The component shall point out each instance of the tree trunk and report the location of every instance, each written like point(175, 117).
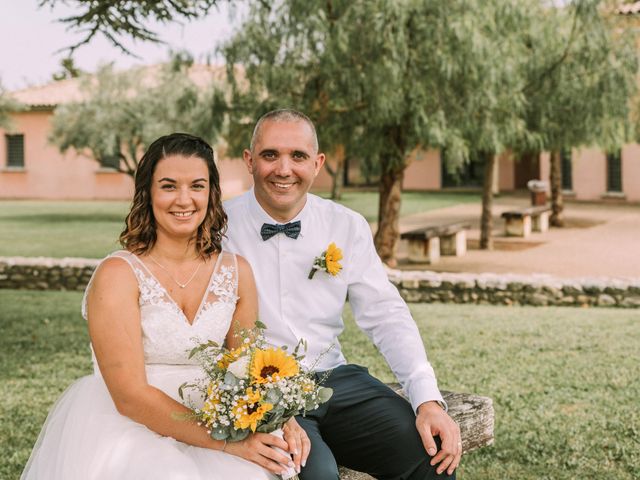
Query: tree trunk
point(386, 238)
point(337, 176)
point(557, 217)
point(486, 221)
point(336, 185)
point(334, 165)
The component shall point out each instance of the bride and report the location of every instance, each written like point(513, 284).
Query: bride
point(147, 305)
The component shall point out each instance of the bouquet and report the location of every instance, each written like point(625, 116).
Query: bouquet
point(253, 388)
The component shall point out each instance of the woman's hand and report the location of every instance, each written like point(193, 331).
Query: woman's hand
point(258, 448)
point(298, 441)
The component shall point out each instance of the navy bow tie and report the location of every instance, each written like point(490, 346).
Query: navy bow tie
point(291, 230)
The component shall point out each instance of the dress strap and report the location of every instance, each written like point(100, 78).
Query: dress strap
point(128, 257)
point(224, 281)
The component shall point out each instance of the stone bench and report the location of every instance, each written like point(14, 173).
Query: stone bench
point(520, 223)
point(426, 244)
point(473, 413)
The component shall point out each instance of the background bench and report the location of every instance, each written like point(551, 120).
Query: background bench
point(426, 244)
point(520, 222)
point(473, 413)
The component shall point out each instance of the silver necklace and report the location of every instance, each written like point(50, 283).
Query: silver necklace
point(181, 285)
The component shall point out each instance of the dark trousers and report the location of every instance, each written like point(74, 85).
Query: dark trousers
point(367, 427)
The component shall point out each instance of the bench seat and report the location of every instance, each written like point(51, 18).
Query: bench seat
point(426, 244)
point(521, 222)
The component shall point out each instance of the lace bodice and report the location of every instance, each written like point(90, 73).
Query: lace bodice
point(167, 335)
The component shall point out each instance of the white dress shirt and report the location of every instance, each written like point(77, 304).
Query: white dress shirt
point(294, 307)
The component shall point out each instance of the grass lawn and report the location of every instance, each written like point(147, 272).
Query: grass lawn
point(366, 203)
point(91, 228)
point(60, 229)
point(564, 381)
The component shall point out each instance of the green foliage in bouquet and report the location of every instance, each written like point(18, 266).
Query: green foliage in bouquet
point(254, 387)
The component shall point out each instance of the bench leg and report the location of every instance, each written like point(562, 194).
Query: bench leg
point(518, 227)
point(424, 251)
point(540, 223)
point(455, 244)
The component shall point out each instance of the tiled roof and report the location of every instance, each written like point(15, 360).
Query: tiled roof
point(49, 95)
point(629, 9)
point(68, 90)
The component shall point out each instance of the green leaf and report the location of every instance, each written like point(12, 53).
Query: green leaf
point(221, 433)
point(324, 394)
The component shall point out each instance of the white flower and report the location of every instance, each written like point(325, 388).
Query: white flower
point(240, 368)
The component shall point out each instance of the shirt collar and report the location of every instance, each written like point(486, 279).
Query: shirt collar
point(259, 216)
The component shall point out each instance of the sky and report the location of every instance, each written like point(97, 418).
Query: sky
point(31, 39)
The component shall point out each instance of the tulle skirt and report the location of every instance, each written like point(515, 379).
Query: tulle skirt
point(85, 438)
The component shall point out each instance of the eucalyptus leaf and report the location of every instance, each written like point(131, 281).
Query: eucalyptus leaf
point(230, 379)
point(273, 396)
point(220, 434)
point(239, 435)
point(324, 394)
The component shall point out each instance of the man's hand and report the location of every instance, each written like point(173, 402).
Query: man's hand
point(298, 441)
point(433, 420)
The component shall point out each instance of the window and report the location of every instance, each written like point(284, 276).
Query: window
point(567, 174)
point(469, 174)
point(15, 151)
point(614, 172)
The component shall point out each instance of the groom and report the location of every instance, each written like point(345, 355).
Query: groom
point(281, 229)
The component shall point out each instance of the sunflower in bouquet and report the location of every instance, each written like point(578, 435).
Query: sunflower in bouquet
point(254, 387)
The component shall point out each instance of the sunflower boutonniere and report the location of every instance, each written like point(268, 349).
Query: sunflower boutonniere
point(329, 261)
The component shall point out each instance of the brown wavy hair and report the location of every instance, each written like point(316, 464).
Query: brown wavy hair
point(139, 235)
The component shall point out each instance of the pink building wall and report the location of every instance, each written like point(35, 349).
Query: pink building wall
point(631, 172)
point(506, 172)
point(323, 181)
point(49, 174)
point(545, 166)
point(589, 169)
point(424, 172)
point(589, 172)
point(234, 176)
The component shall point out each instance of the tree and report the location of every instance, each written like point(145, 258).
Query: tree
point(301, 63)
point(582, 74)
point(124, 112)
point(7, 105)
point(126, 19)
point(382, 79)
point(477, 82)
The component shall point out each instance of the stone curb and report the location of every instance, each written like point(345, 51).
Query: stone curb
point(516, 289)
point(41, 273)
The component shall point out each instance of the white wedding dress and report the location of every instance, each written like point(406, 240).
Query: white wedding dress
point(85, 438)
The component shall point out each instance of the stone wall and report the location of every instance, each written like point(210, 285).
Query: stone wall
point(36, 273)
point(510, 289)
point(39, 273)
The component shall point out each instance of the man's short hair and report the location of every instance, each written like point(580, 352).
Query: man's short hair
point(283, 115)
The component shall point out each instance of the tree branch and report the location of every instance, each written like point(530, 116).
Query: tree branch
point(124, 19)
point(529, 88)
